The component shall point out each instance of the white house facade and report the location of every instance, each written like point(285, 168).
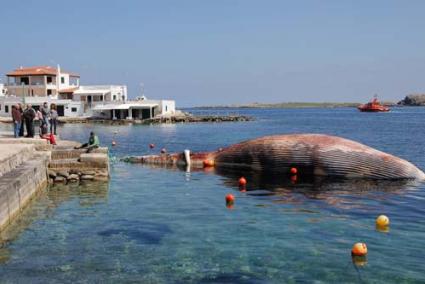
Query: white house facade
point(39, 84)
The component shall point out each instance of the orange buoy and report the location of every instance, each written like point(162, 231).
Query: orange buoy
point(242, 181)
point(294, 171)
point(208, 163)
point(163, 150)
point(359, 261)
point(114, 143)
point(359, 249)
point(382, 221)
point(230, 199)
point(151, 145)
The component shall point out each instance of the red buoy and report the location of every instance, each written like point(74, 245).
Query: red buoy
point(151, 145)
point(230, 199)
point(242, 181)
point(294, 171)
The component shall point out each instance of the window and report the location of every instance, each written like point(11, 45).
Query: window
point(49, 92)
point(166, 108)
point(32, 93)
point(49, 80)
point(114, 97)
point(63, 80)
point(74, 109)
point(6, 109)
point(25, 81)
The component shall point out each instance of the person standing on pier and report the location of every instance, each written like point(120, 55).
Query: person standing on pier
point(53, 118)
point(45, 111)
point(29, 115)
point(21, 111)
point(17, 120)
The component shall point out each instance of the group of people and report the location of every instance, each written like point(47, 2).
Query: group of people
point(24, 118)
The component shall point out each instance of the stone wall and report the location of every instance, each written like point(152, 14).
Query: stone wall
point(18, 186)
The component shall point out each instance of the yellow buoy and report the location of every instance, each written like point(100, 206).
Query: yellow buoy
point(382, 221)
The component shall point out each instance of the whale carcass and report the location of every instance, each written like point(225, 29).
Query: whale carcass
point(311, 154)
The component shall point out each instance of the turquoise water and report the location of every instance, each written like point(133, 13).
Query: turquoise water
point(153, 225)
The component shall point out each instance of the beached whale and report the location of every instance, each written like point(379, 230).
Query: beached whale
point(313, 155)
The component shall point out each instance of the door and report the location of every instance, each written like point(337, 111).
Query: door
point(60, 110)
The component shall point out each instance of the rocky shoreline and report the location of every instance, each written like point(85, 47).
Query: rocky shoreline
point(156, 120)
point(413, 100)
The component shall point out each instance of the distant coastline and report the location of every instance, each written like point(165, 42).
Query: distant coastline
point(289, 105)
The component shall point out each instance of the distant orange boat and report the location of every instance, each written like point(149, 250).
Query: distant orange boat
point(373, 106)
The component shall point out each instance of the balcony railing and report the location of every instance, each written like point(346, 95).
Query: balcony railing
point(32, 84)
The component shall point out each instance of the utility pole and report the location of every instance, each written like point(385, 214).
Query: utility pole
point(23, 92)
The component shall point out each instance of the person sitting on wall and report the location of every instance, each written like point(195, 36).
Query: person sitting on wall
point(92, 144)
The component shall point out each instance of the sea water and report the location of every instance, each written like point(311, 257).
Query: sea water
point(154, 225)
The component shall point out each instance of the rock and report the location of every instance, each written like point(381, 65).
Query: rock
point(89, 173)
point(94, 158)
point(59, 179)
point(87, 177)
point(73, 177)
point(63, 173)
point(51, 174)
point(74, 171)
point(102, 174)
point(413, 100)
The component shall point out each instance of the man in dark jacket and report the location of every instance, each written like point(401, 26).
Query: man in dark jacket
point(21, 130)
point(29, 115)
point(17, 119)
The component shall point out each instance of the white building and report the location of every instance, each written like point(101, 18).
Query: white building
point(135, 109)
point(2, 90)
point(39, 84)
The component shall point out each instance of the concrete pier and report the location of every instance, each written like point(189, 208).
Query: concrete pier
point(23, 173)
point(27, 165)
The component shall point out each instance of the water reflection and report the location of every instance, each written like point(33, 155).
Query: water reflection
point(341, 193)
point(295, 189)
point(88, 194)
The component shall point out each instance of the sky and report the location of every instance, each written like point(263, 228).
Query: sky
point(221, 52)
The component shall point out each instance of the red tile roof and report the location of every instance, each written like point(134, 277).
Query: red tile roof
point(37, 71)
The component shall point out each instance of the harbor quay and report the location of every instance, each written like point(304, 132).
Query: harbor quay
point(28, 165)
point(77, 103)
